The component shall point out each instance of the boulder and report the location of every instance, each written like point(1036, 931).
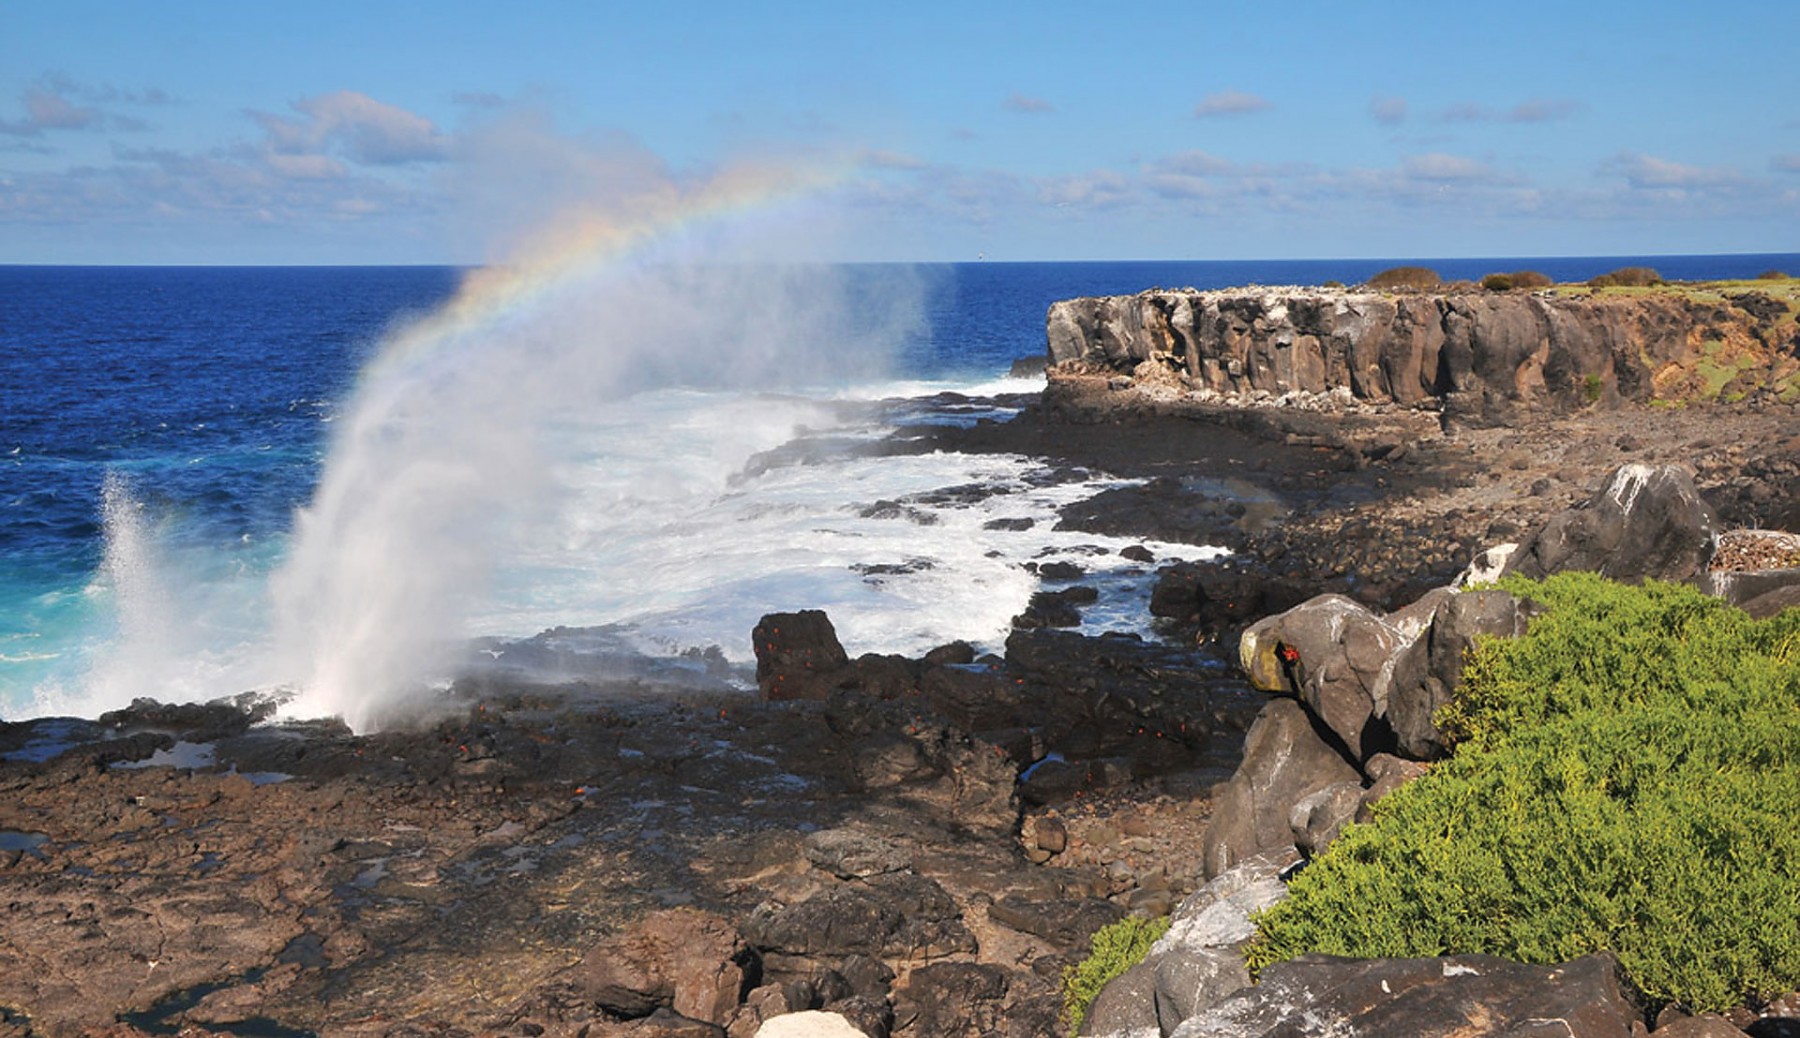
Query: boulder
point(850, 854)
point(1706, 1025)
point(1644, 523)
point(1462, 994)
point(666, 1023)
point(881, 676)
point(1219, 596)
point(1426, 671)
point(904, 916)
point(692, 962)
point(1064, 923)
point(1330, 652)
point(1125, 1007)
point(1284, 760)
point(1317, 818)
point(1198, 962)
point(1386, 773)
point(1770, 603)
point(809, 1023)
point(952, 1000)
point(798, 655)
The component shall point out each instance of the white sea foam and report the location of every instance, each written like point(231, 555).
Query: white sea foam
point(680, 516)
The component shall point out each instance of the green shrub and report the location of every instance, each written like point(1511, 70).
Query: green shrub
point(1416, 278)
point(1626, 777)
point(1591, 388)
point(1772, 275)
point(1627, 277)
point(1113, 950)
point(1333, 283)
point(1516, 279)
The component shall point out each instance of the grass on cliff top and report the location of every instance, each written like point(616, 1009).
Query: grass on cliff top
point(1785, 289)
point(1626, 778)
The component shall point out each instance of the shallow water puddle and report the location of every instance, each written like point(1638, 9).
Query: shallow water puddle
point(189, 755)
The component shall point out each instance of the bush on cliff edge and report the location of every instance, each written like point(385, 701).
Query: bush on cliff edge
point(1421, 279)
point(1626, 778)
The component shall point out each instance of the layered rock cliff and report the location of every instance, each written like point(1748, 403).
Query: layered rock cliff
point(1479, 354)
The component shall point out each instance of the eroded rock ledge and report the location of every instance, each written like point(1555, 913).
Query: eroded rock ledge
point(1481, 356)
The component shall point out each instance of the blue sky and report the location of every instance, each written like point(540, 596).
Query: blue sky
point(430, 132)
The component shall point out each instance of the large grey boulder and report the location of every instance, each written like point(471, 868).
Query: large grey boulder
point(1330, 652)
point(1462, 994)
point(1197, 963)
point(1645, 522)
point(1125, 1007)
point(1284, 760)
point(1426, 672)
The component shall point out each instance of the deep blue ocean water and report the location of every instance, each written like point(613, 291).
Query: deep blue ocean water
point(209, 393)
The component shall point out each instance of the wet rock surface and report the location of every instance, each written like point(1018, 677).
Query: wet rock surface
point(613, 859)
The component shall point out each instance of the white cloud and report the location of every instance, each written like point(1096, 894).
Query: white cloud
point(56, 102)
point(1101, 189)
point(1027, 104)
point(1649, 172)
point(356, 127)
point(1786, 163)
point(1535, 110)
point(46, 109)
point(1230, 102)
point(878, 159)
point(1438, 166)
point(1388, 111)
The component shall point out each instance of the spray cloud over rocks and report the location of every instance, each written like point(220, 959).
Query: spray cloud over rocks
point(448, 459)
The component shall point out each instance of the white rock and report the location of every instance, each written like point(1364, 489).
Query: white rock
point(811, 1023)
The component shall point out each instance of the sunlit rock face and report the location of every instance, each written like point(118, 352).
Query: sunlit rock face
point(1485, 356)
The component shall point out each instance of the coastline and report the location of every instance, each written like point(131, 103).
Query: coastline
point(874, 850)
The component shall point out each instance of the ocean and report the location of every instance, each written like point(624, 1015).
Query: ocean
point(329, 480)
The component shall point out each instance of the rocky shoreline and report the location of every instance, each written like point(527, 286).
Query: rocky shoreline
point(919, 846)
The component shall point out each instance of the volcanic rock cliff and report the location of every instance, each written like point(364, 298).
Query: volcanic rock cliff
point(1480, 355)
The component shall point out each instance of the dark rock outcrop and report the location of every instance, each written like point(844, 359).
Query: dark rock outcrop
point(1330, 652)
point(1198, 962)
point(1428, 669)
point(1643, 523)
point(797, 655)
point(1462, 994)
point(1284, 761)
point(693, 963)
point(1481, 355)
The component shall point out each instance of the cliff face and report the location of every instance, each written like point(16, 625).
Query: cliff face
point(1480, 354)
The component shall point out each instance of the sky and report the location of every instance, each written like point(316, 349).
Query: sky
point(378, 132)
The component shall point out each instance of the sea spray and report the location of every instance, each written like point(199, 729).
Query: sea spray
point(445, 462)
point(130, 581)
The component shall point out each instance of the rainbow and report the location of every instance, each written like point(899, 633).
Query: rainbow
point(578, 245)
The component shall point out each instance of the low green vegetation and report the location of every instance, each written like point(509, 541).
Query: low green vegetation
point(1591, 388)
point(1113, 950)
point(1626, 777)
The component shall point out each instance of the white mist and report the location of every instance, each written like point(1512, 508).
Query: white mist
point(454, 452)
